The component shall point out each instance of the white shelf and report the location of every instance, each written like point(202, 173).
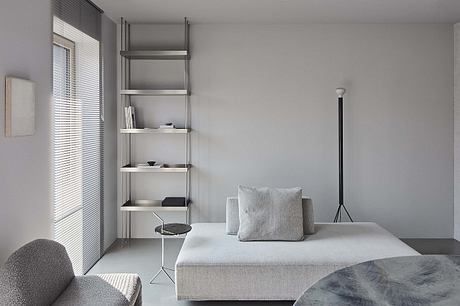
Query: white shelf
point(155, 131)
point(150, 205)
point(155, 54)
point(166, 169)
point(155, 92)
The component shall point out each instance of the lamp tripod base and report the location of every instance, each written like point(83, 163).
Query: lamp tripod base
point(163, 269)
point(338, 214)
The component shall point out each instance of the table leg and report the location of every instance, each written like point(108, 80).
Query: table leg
point(163, 268)
point(130, 226)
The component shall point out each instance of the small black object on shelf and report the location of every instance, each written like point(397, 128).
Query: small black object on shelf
point(174, 201)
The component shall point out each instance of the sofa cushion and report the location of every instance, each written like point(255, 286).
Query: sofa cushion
point(307, 215)
point(215, 266)
point(102, 289)
point(233, 220)
point(270, 213)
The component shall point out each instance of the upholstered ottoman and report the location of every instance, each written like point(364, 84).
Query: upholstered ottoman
point(215, 266)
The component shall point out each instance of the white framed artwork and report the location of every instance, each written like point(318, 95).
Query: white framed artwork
point(19, 107)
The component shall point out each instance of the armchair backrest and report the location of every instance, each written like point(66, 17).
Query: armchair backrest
point(35, 274)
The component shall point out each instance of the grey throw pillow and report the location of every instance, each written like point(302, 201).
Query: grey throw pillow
point(270, 213)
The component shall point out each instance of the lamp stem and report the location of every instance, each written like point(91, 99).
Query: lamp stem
point(340, 106)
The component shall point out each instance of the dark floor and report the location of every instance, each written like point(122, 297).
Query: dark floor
point(434, 246)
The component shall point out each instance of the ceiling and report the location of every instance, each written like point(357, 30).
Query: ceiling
point(284, 11)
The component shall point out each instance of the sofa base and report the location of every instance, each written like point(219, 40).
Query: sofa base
point(215, 266)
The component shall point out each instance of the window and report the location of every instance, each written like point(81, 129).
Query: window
point(77, 148)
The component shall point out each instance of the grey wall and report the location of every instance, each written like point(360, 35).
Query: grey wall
point(457, 131)
point(25, 185)
point(109, 40)
point(264, 112)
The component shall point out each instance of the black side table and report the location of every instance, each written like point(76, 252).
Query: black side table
point(168, 229)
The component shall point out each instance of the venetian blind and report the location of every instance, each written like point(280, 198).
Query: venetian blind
point(77, 131)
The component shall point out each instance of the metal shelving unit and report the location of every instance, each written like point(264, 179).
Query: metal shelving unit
point(127, 166)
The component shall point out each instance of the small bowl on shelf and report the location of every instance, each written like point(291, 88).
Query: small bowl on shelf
point(151, 163)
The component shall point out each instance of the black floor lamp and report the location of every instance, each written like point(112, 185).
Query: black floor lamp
point(338, 215)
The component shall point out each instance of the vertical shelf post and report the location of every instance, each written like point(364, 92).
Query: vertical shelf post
point(187, 110)
point(121, 122)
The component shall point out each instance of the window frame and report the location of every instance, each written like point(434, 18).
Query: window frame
point(65, 43)
point(69, 45)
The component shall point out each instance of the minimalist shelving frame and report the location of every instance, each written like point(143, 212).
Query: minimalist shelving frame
point(127, 167)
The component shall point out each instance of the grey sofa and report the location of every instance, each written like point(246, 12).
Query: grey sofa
point(40, 273)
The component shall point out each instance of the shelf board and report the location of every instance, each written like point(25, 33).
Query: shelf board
point(181, 168)
point(155, 92)
point(156, 54)
point(150, 205)
point(154, 131)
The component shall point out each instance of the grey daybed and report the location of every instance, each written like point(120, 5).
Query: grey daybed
point(213, 265)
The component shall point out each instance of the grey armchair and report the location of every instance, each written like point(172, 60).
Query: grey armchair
point(40, 273)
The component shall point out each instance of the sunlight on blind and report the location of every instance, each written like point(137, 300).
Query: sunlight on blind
point(76, 144)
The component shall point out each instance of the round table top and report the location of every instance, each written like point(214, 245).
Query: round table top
point(173, 229)
point(409, 280)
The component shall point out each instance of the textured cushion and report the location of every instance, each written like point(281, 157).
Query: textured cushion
point(35, 274)
point(270, 213)
point(102, 289)
point(232, 218)
point(215, 266)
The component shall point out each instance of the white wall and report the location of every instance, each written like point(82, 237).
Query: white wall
point(457, 131)
point(264, 112)
point(109, 40)
point(25, 185)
